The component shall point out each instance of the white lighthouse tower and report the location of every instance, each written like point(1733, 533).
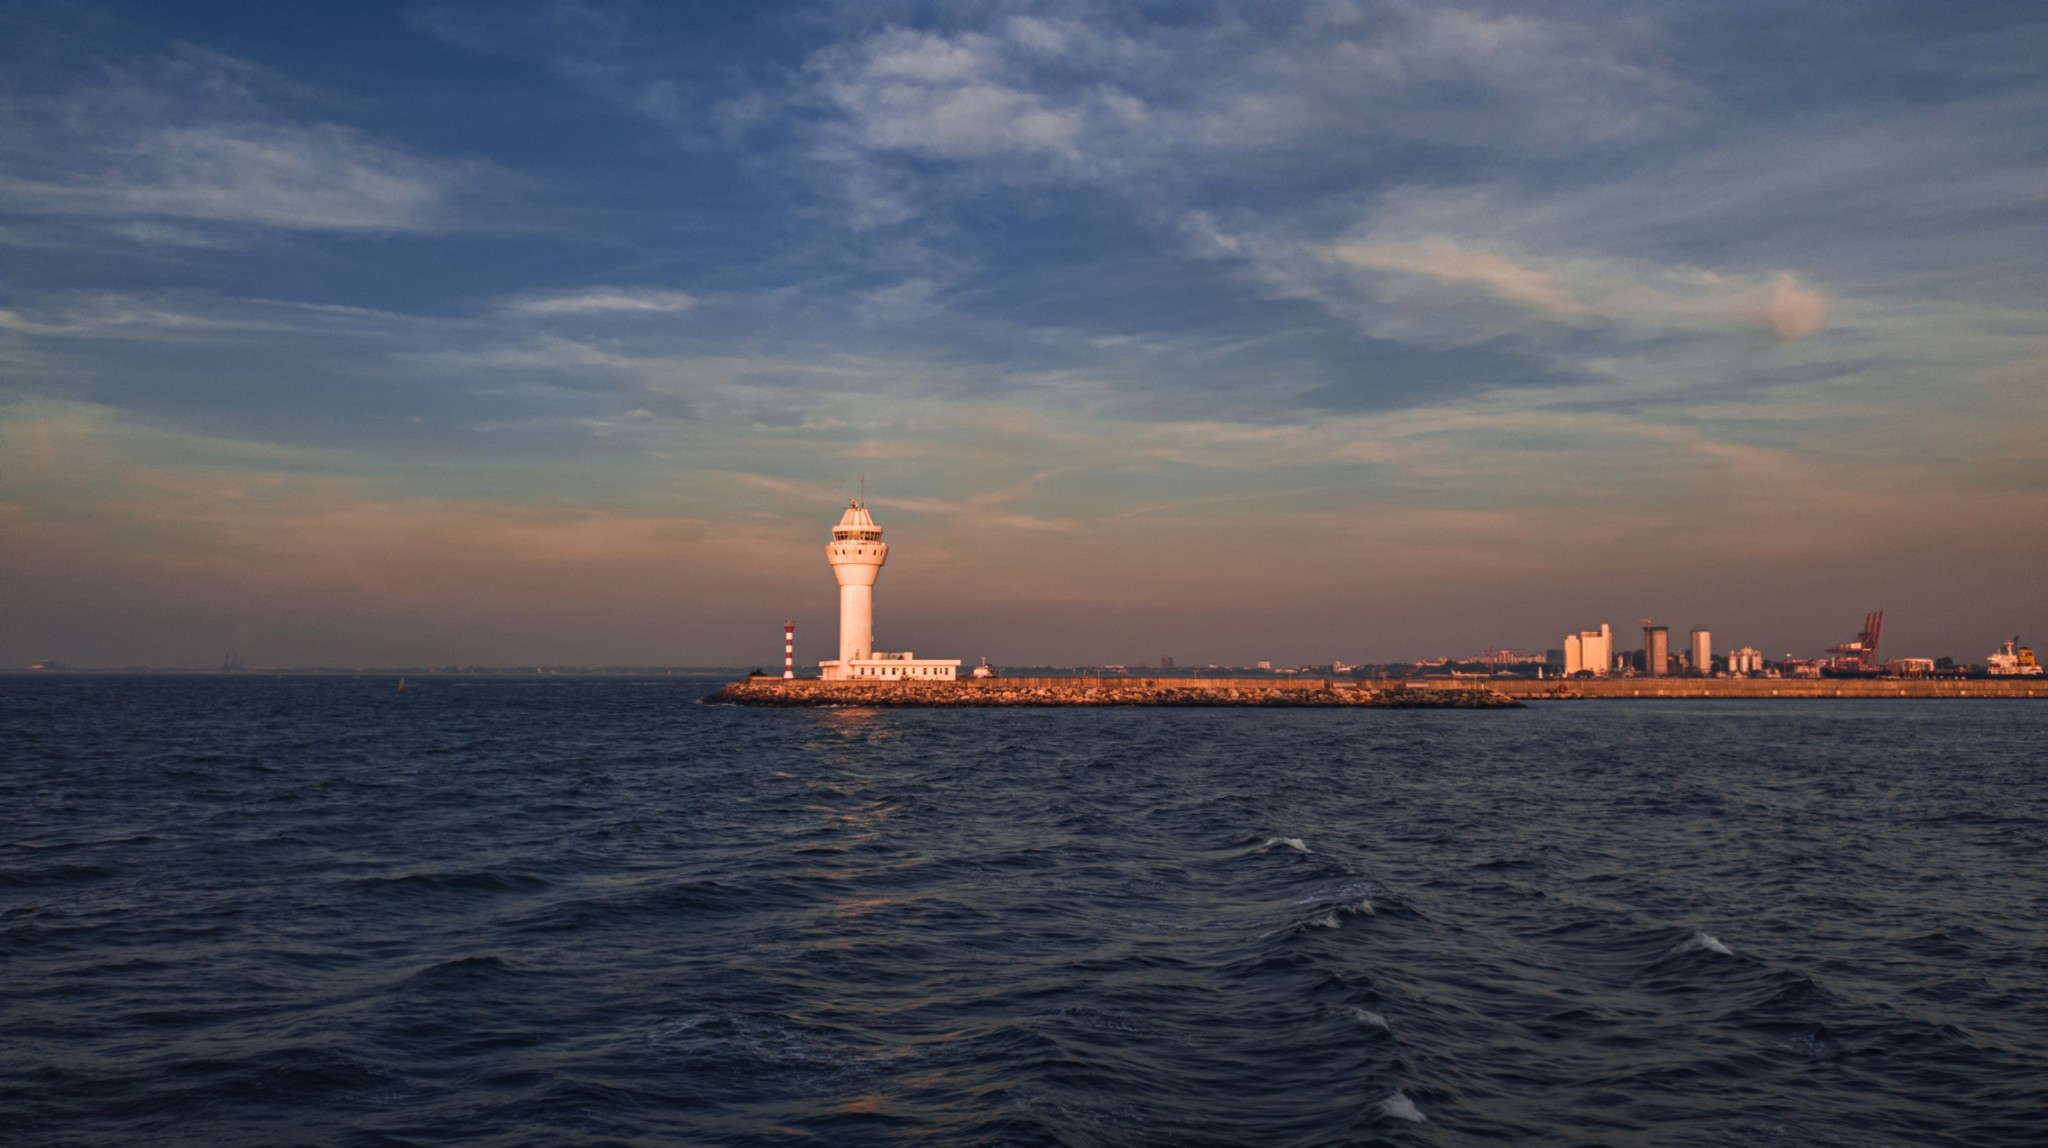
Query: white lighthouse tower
point(857, 553)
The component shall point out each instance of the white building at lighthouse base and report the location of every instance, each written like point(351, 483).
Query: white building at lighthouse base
point(887, 667)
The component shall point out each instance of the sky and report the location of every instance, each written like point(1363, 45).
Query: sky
point(560, 333)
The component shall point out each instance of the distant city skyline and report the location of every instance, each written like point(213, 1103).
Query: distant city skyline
point(549, 333)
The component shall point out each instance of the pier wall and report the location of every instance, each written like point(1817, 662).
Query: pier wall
point(1105, 691)
point(1753, 688)
point(1217, 691)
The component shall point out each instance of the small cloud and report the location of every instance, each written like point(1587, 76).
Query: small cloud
point(1794, 311)
point(165, 235)
point(764, 415)
point(900, 302)
point(1465, 265)
point(1208, 237)
point(916, 93)
point(1037, 35)
point(605, 300)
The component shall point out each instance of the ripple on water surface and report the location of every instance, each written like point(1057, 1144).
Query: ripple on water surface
point(254, 910)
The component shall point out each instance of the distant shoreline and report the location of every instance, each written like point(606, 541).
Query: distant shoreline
point(1707, 689)
point(387, 672)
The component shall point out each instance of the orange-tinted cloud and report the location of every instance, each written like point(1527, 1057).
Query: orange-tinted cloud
point(1794, 310)
point(1453, 264)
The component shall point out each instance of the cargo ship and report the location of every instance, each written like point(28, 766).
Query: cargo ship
point(2012, 660)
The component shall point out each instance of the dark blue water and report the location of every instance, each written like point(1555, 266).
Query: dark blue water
point(545, 911)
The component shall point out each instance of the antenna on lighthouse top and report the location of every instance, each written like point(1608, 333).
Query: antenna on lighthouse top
point(863, 487)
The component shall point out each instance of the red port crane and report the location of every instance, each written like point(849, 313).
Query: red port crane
point(1859, 655)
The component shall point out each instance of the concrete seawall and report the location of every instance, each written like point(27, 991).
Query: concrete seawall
point(1118, 691)
point(1752, 688)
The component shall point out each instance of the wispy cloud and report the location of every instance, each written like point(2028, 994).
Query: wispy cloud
point(319, 177)
point(604, 300)
point(943, 97)
point(1652, 299)
point(1452, 264)
point(200, 137)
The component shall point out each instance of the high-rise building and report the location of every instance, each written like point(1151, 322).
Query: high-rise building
point(1702, 652)
point(856, 553)
point(1656, 650)
point(1589, 650)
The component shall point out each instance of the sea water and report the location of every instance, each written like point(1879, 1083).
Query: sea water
point(254, 910)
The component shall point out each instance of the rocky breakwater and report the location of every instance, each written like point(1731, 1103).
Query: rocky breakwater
point(990, 692)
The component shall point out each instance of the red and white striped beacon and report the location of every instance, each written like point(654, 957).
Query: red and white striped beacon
point(788, 649)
